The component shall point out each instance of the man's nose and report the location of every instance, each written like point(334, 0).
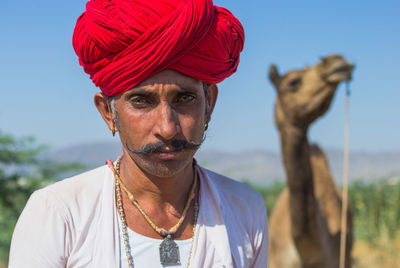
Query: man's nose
point(167, 122)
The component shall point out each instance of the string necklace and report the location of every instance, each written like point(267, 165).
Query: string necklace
point(169, 250)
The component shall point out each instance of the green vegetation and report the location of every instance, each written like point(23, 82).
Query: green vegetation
point(22, 171)
point(376, 209)
point(376, 220)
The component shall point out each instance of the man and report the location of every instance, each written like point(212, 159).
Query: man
point(157, 64)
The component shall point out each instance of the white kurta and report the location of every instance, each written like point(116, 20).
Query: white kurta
point(73, 223)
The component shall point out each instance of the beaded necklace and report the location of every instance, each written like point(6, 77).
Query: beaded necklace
point(169, 251)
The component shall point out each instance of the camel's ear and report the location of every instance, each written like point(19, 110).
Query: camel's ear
point(274, 76)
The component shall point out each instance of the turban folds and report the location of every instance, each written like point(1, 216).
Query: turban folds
point(120, 43)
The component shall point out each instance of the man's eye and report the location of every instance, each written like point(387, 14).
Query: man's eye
point(186, 98)
point(138, 101)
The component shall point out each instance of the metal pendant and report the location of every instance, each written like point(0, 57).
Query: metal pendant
point(169, 252)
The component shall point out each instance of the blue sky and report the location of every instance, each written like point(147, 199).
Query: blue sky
point(46, 94)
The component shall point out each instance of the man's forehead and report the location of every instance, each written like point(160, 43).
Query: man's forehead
point(169, 79)
point(161, 88)
point(170, 76)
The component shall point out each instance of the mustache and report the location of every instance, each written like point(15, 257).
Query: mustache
point(178, 145)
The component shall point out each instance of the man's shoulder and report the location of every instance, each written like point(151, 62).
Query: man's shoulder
point(79, 188)
point(89, 179)
point(234, 191)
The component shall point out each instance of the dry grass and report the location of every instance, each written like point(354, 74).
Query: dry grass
point(381, 254)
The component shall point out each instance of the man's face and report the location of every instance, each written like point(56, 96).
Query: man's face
point(160, 117)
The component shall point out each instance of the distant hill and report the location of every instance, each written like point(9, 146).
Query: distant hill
point(258, 166)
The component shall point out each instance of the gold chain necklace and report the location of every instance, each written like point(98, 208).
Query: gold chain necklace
point(169, 250)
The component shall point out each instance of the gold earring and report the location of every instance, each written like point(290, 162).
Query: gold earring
point(206, 126)
point(113, 130)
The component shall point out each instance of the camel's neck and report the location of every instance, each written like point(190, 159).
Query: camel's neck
point(296, 158)
point(299, 175)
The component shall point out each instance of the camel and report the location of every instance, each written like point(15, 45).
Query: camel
point(305, 222)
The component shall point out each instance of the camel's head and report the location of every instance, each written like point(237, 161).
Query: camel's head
point(304, 95)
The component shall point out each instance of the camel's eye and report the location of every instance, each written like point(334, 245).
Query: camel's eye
point(295, 82)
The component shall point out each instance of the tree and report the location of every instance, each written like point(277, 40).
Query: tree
point(23, 169)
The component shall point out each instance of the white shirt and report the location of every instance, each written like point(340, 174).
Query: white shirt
point(145, 250)
point(73, 223)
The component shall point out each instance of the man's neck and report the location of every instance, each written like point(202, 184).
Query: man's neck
point(164, 193)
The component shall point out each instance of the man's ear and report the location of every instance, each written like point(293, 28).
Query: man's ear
point(212, 95)
point(103, 105)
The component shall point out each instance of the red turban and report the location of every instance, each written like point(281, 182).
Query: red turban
point(123, 42)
